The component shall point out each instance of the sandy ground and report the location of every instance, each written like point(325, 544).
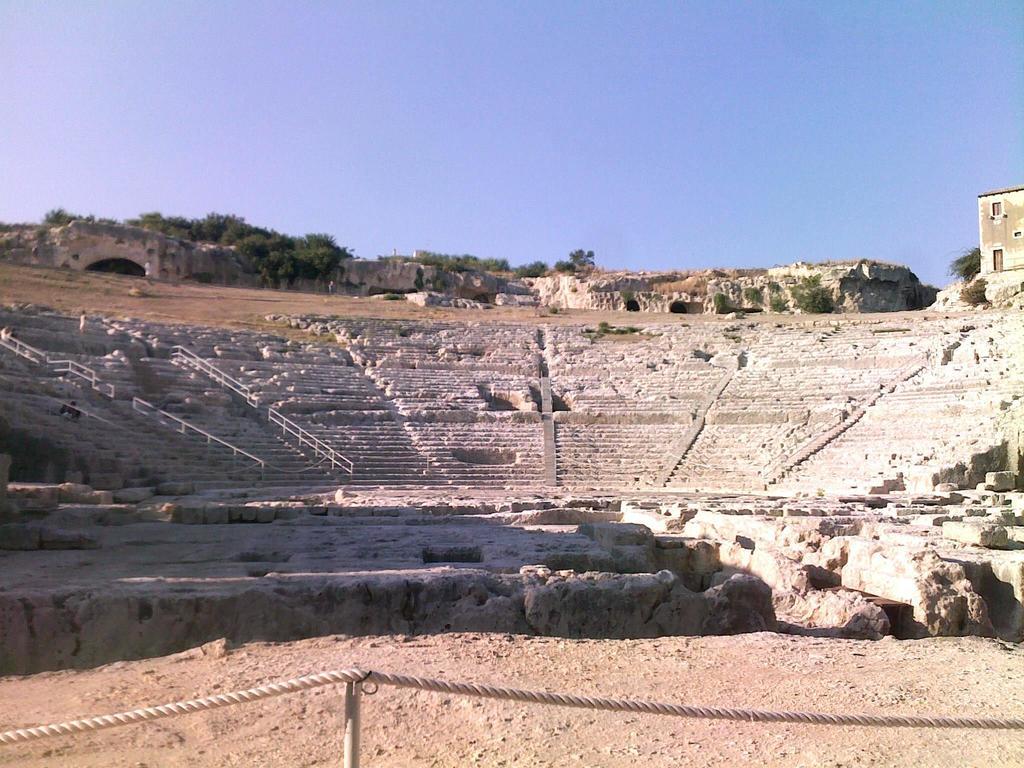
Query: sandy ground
point(95, 293)
point(970, 676)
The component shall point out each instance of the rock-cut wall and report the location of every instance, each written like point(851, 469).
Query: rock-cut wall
point(83, 245)
point(863, 286)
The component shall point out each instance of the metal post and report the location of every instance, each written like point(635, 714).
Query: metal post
point(352, 695)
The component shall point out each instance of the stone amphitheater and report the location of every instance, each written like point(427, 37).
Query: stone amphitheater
point(836, 476)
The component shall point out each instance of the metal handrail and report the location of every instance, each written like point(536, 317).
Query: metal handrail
point(21, 348)
point(274, 416)
point(144, 407)
point(307, 438)
point(39, 357)
point(191, 358)
point(83, 372)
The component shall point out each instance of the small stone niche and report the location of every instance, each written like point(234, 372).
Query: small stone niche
point(453, 554)
point(485, 456)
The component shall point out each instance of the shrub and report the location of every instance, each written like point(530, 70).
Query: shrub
point(605, 328)
point(394, 297)
point(553, 310)
point(811, 296)
point(722, 304)
point(566, 267)
point(753, 295)
point(626, 296)
point(461, 263)
point(58, 217)
point(533, 269)
point(276, 257)
point(778, 303)
point(967, 265)
point(203, 277)
point(974, 292)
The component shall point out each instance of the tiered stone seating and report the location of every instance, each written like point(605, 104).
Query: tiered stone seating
point(466, 396)
point(927, 425)
point(710, 407)
point(117, 449)
point(318, 387)
point(794, 384)
point(630, 399)
point(609, 455)
point(119, 357)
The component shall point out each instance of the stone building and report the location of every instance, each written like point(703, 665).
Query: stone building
point(1001, 228)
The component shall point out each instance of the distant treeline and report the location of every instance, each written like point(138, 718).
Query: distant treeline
point(282, 259)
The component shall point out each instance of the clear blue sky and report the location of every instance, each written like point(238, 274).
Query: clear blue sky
point(660, 135)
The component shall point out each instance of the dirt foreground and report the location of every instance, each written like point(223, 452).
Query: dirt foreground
point(944, 676)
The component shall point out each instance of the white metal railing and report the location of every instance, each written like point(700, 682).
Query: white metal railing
point(190, 358)
point(39, 357)
point(337, 461)
point(21, 348)
point(83, 372)
point(185, 427)
point(318, 446)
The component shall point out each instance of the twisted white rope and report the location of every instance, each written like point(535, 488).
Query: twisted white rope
point(493, 692)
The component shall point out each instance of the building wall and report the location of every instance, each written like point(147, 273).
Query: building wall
point(998, 232)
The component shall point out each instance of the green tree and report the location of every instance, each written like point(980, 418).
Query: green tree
point(967, 265)
point(318, 256)
point(811, 296)
point(581, 259)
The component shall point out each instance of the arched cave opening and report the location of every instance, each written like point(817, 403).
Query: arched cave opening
point(632, 305)
point(677, 307)
point(117, 267)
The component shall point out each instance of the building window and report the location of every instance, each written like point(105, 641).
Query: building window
point(1018, 234)
point(997, 208)
point(997, 260)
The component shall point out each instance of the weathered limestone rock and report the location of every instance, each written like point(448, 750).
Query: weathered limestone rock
point(978, 534)
point(79, 629)
point(81, 244)
point(174, 488)
point(769, 564)
point(645, 605)
point(75, 493)
point(839, 613)
point(132, 495)
point(862, 286)
point(28, 536)
point(56, 538)
point(740, 604)
point(943, 600)
point(1000, 481)
point(34, 497)
point(694, 561)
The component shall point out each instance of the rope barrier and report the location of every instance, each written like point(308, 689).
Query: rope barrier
point(358, 676)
